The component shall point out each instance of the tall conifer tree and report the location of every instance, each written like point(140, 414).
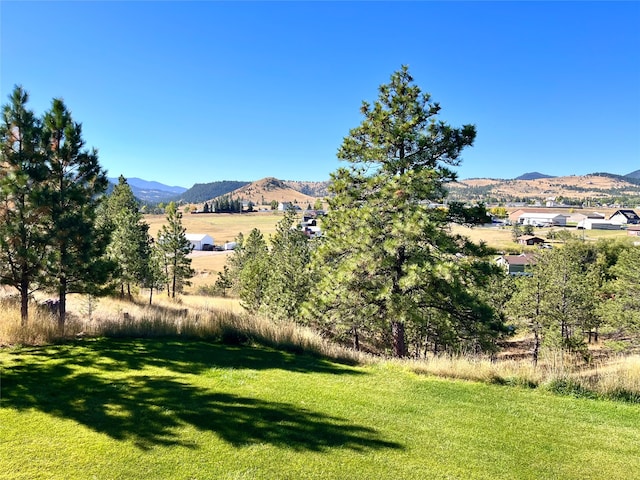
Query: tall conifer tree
point(23, 217)
point(175, 247)
point(75, 185)
point(386, 255)
point(129, 247)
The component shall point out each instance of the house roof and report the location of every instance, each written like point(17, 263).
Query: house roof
point(522, 259)
point(196, 237)
point(548, 215)
point(629, 214)
point(526, 238)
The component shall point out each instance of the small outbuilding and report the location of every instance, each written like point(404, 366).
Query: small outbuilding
point(530, 240)
point(200, 241)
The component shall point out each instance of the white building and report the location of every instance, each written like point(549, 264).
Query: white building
point(543, 219)
point(624, 217)
point(199, 240)
point(597, 224)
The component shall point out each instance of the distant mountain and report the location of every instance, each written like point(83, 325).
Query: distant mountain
point(263, 192)
point(203, 192)
point(533, 176)
point(151, 192)
point(574, 188)
point(622, 178)
point(150, 185)
point(313, 189)
point(635, 174)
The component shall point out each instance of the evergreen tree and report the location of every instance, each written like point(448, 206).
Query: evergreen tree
point(224, 281)
point(622, 307)
point(383, 247)
point(129, 248)
point(175, 247)
point(558, 302)
point(249, 269)
point(75, 184)
point(23, 218)
point(155, 274)
point(289, 274)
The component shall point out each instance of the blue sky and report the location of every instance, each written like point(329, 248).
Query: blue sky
point(200, 91)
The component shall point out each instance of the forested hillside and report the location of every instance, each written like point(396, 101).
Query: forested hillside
point(202, 192)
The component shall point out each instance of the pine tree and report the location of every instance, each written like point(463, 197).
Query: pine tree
point(386, 255)
point(75, 185)
point(622, 305)
point(175, 247)
point(289, 273)
point(249, 270)
point(129, 248)
point(155, 274)
point(23, 238)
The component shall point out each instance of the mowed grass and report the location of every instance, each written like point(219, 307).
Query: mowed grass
point(165, 409)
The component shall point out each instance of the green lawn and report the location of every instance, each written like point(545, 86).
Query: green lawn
point(150, 409)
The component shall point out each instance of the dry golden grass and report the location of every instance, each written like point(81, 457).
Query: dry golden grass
point(501, 238)
point(269, 189)
point(617, 378)
point(593, 186)
point(223, 227)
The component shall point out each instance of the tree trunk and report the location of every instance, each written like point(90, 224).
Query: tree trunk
point(399, 344)
point(150, 295)
point(62, 306)
point(356, 338)
point(536, 348)
point(24, 302)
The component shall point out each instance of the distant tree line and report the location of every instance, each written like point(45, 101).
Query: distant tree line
point(202, 192)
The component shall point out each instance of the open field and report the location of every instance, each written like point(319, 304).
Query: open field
point(223, 227)
point(132, 409)
point(501, 238)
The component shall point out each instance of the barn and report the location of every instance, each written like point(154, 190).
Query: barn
point(199, 240)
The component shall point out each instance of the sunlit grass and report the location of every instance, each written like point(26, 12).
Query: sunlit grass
point(178, 408)
point(223, 319)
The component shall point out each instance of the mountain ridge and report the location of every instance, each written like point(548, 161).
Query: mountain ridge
point(537, 184)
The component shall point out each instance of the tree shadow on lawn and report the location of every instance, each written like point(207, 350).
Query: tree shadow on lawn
point(149, 410)
point(184, 356)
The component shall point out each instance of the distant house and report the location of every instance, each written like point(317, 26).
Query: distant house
point(200, 241)
point(634, 231)
point(530, 240)
point(624, 217)
point(516, 264)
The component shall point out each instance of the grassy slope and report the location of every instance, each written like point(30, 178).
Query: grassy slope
point(174, 409)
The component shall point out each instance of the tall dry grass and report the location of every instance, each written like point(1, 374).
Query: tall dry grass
point(189, 318)
point(222, 320)
point(616, 378)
